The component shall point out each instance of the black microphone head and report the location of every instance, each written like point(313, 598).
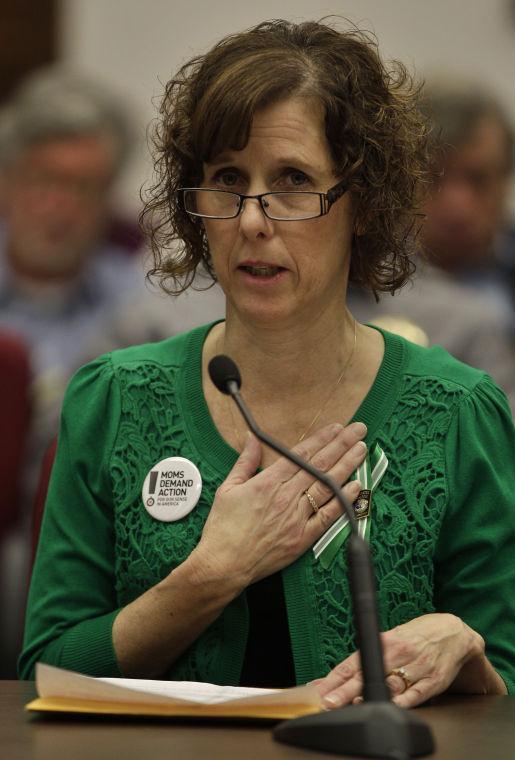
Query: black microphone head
point(222, 371)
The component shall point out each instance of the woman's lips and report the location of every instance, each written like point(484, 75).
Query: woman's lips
point(261, 270)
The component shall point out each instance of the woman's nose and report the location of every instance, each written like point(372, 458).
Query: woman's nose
point(253, 220)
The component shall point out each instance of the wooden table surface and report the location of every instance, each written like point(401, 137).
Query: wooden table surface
point(471, 728)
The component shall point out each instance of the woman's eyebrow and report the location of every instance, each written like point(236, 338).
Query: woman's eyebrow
point(296, 162)
point(223, 158)
point(228, 156)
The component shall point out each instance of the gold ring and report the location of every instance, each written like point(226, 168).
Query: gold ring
point(403, 674)
point(312, 502)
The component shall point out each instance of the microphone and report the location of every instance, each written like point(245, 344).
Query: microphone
point(376, 728)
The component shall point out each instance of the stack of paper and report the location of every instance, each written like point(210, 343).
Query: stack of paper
point(65, 691)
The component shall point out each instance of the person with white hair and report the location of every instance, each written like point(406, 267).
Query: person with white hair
point(63, 140)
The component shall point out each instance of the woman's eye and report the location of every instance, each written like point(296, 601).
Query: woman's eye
point(297, 178)
point(227, 178)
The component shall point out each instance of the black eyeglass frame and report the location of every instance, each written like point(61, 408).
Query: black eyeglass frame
point(326, 201)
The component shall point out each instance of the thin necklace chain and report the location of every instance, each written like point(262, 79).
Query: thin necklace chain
point(324, 405)
point(334, 388)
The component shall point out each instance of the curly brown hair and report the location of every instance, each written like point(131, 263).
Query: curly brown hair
point(377, 138)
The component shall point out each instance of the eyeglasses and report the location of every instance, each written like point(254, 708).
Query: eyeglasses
point(281, 206)
point(41, 182)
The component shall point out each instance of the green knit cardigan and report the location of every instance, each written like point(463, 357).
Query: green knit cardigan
point(442, 525)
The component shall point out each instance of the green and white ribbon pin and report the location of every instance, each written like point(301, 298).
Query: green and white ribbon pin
point(369, 473)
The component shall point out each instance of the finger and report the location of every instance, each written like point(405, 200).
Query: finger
point(422, 685)
point(418, 693)
point(339, 675)
point(327, 513)
point(351, 491)
point(347, 676)
point(321, 520)
point(347, 463)
point(285, 470)
point(328, 456)
point(344, 694)
point(402, 672)
point(396, 685)
point(416, 684)
point(246, 464)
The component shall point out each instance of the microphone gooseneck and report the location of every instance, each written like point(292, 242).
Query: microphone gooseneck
point(377, 728)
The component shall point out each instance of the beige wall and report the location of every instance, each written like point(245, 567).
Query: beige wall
point(136, 44)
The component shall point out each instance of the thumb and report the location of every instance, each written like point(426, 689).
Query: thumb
point(247, 463)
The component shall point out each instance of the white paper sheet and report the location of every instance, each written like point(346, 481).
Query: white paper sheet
point(55, 682)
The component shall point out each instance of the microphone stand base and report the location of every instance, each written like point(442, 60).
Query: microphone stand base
point(371, 729)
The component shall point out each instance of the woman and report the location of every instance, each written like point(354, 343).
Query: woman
point(289, 161)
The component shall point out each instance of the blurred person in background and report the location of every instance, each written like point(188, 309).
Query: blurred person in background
point(148, 314)
point(67, 286)
point(463, 292)
point(63, 141)
point(467, 233)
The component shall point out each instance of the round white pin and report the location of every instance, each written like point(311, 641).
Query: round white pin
point(171, 489)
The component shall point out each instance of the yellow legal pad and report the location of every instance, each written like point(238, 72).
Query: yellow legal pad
point(65, 691)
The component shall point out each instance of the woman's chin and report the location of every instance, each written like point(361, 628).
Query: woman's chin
point(264, 313)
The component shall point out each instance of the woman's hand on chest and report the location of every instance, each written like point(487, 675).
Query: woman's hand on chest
point(260, 523)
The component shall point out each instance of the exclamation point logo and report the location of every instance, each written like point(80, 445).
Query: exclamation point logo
point(152, 486)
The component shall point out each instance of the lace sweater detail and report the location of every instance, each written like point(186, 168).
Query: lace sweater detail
point(152, 428)
point(444, 427)
point(408, 509)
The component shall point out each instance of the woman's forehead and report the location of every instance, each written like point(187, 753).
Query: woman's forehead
point(291, 129)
